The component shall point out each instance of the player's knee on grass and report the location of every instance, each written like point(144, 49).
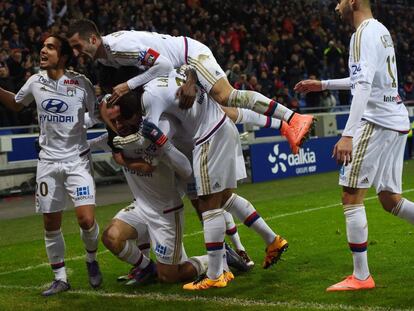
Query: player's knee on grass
point(389, 200)
point(112, 240)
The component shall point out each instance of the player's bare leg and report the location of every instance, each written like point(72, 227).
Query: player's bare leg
point(90, 237)
point(121, 239)
point(226, 95)
point(55, 249)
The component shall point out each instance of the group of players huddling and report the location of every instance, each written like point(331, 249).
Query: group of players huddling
point(170, 123)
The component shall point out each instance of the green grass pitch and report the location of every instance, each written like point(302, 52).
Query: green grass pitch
point(305, 210)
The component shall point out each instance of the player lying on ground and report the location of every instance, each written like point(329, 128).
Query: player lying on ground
point(62, 97)
point(158, 54)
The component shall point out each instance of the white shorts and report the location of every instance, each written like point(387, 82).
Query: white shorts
point(218, 162)
point(202, 59)
point(56, 180)
point(377, 159)
point(165, 230)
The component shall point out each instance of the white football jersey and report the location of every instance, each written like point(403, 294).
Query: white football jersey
point(200, 122)
point(141, 48)
point(372, 60)
point(159, 189)
point(61, 106)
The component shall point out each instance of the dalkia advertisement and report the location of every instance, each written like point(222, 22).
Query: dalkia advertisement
point(275, 160)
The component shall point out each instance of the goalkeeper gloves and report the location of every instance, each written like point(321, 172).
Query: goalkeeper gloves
point(153, 133)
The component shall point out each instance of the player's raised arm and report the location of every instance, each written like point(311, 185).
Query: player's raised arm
point(7, 98)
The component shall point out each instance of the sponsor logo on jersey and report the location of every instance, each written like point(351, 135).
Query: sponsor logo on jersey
point(137, 173)
point(54, 105)
point(70, 82)
point(43, 80)
point(392, 99)
point(161, 250)
point(304, 161)
point(365, 181)
point(83, 193)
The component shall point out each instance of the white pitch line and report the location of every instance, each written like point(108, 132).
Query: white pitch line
point(200, 232)
point(238, 302)
point(46, 264)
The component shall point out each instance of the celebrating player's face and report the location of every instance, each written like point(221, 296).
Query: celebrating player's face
point(125, 126)
point(82, 47)
point(50, 53)
point(344, 10)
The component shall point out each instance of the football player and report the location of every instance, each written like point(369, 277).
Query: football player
point(372, 145)
point(62, 97)
point(158, 54)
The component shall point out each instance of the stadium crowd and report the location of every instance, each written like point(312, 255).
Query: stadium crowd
point(267, 46)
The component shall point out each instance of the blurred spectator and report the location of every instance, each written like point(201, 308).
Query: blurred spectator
point(15, 65)
point(332, 55)
point(313, 99)
point(242, 83)
point(409, 88)
point(233, 75)
point(328, 101)
point(7, 117)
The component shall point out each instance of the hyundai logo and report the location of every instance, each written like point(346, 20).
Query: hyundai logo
point(54, 105)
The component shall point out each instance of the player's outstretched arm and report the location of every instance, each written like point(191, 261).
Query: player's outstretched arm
point(306, 86)
point(8, 100)
point(178, 160)
point(158, 67)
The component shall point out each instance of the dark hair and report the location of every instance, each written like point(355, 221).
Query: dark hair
point(85, 28)
point(65, 49)
point(129, 105)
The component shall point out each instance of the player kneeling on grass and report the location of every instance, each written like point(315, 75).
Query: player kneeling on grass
point(63, 167)
point(157, 212)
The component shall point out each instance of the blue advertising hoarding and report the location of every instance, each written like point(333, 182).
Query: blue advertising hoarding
point(274, 160)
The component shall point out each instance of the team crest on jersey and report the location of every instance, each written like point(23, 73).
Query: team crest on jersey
point(71, 91)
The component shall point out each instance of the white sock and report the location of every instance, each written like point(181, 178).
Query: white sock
point(404, 210)
point(55, 249)
point(251, 117)
point(132, 255)
point(200, 263)
point(357, 234)
point(214, 227)
point(259, 103)
point(231, 231)
point(90, 238)
point(246, 213)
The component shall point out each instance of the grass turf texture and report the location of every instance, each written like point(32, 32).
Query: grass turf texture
point(304, 210)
